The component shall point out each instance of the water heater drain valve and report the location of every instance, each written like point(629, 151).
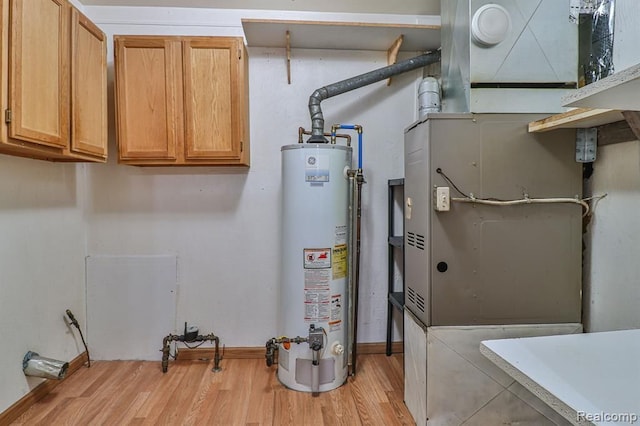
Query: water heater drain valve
point(337, 349)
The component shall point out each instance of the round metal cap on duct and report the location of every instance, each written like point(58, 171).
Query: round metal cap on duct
point(491, 24)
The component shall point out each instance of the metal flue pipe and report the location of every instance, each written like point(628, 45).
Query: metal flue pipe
point(317, 119)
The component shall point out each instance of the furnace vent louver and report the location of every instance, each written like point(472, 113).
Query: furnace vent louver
point(411, 295)
point(420, 303)
point(415, 240)
point(416, 299)
point(411, 239)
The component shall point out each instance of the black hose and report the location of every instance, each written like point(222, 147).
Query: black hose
point(74, 321)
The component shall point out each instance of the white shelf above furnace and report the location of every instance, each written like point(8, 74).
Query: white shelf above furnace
point(605, 101)
point(340, 35)
point(618, 91)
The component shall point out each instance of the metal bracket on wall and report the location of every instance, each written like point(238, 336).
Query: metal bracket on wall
point(586, 145)
point(392, 54)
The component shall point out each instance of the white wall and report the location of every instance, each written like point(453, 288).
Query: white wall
point(612, 277)
point(42, 249)
point(223, 224)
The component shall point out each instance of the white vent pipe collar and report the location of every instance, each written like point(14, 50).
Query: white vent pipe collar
point(491, 24)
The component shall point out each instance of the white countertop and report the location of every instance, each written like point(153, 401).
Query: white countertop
point(591, 378)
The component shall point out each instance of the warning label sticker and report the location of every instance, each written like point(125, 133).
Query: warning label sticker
point(316, 296)
point(317, 258)
point(317, 278)
point(336, 307)
point(341, 234)
point(319, 264)
point(340, 261)
point(317, 312)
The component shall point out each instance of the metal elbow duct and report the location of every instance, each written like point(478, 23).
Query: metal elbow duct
point(317, 119)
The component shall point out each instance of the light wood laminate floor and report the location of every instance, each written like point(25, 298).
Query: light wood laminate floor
point(245, 392)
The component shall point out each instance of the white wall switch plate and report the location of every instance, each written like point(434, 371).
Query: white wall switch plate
point(442, 200)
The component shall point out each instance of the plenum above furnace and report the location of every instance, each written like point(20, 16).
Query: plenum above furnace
point(507, 56)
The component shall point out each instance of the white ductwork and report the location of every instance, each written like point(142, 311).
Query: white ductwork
point(523, 51)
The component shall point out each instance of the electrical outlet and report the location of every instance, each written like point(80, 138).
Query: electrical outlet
point(442, 199)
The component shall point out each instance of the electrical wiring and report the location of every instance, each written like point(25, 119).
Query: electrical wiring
point(596, 199)
point(583, 202)
point(526, 200)
point(445, 177)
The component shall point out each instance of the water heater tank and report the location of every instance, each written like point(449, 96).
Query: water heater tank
point(314, 262)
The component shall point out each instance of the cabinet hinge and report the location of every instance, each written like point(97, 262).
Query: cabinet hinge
point(7, 116)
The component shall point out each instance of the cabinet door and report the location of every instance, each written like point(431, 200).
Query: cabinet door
point(88, 87)
point(213, 95)
point(148, 112)
point(39, 71)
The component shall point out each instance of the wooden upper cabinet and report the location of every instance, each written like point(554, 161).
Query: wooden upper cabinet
point(147, 98)
point(182, 100)
point(39, 74)
point(53, 86)
point(88, 87)
point(211, 93)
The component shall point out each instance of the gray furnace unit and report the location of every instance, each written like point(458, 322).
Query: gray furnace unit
point(484, 264)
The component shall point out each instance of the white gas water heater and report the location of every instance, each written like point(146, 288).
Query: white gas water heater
point(319, 242)
point(313, 294)
point(317, 316)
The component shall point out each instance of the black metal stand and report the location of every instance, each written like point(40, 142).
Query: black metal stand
point(395, 299)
